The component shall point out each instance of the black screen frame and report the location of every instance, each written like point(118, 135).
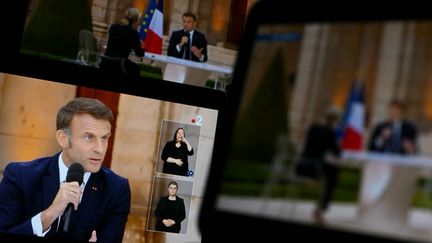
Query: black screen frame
point(216, 223)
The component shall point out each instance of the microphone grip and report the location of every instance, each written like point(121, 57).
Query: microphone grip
point(67, 216)
point(186, 34)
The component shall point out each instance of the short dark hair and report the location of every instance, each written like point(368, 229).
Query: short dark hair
point(190, 14)
point(173, 183)
point(94, 107)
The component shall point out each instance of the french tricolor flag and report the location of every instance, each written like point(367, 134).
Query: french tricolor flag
point(353, 121)
point(153, 38)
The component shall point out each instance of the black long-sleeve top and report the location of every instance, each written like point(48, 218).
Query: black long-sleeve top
point(182, 152)
point(121, 40)
point(170, 209)
point(320, 140)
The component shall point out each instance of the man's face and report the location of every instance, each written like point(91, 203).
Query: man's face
point(88, 142)
point(188, 23)
point(395, 113)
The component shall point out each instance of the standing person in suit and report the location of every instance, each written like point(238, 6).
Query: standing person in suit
point(188, 43)
point(123, 37)
point(175, 154)
point(394, 135)
point(34, 195)
point(170, 210)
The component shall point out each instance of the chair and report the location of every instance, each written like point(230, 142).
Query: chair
point(278, 170)
point(284, 171)
point(298, 181)
point(88, 53)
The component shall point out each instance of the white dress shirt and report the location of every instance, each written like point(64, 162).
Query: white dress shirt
point(36, 221)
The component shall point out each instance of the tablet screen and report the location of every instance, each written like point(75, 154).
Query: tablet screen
point(141, 143)
point(333, 128)
point(113, 35)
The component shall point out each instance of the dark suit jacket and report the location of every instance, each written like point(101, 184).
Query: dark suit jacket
point(408, 131)
point(29, 188)
point(198, 39)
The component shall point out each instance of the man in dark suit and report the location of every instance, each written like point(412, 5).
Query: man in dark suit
point(188, 43)
point(395, 135)
point(34, 194)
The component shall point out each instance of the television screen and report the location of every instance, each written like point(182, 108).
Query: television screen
point(141, 38)
point(139, 148)
point(333, 126)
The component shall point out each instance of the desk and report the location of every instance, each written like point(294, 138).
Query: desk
point(188, 72)
point(387, 186)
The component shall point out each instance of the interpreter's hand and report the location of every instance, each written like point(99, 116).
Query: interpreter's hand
point(408, 146)
point(197, 52)
point(386, 133)
point(93, 237)
point(183, 40)
point(183, 139)
point(179, 162)
point(168, 222)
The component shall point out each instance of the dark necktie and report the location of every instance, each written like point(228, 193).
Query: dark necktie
point(187, 47)
point(72, 225)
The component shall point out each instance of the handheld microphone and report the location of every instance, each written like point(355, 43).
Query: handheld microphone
point(186, 33)
point(75, 173)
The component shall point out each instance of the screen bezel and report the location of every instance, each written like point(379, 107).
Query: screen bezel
point(252, 227)
point(85, 76)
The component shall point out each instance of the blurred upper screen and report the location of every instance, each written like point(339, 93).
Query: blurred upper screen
point(113, 35)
